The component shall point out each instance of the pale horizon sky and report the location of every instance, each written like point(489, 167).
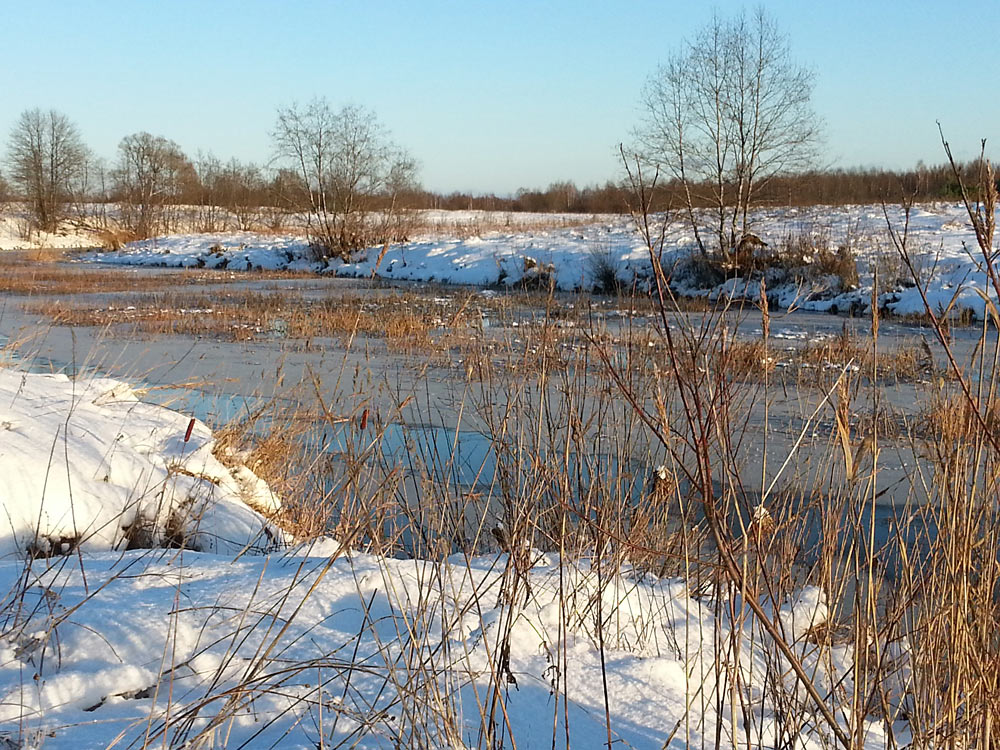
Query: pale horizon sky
point(488, 97)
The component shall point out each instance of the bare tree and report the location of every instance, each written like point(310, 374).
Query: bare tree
point(209, 213)
point(46, 157)
point(724, 116)
point(353, 172)
point(243, 192)
point(284, 194)
point(151, 174)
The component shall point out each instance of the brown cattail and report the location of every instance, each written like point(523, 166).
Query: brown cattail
point(663, 484)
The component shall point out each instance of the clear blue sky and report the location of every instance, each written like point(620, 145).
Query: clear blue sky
point(488, 96)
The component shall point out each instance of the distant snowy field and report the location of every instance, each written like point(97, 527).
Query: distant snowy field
point(572, 255)
point(255, 640)
point(15, 235)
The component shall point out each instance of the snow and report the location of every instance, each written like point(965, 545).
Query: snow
point(571, 256)
point(479, 261)
point(288, 649)
point(85, 462)
point(248, 638)
point(15, 235)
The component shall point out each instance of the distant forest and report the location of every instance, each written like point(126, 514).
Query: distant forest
point(827, 187)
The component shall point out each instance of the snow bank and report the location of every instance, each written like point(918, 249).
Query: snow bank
point(15, 235)
point(239, 251)
point(480, 261)
point(573, 257)
point(85, 463)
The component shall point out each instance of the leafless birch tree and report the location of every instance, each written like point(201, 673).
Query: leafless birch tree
point(723, 116)
point(148, 180)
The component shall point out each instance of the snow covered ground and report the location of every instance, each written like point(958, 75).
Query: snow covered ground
point(234, 642)
point(16, 235)
point(939, 236)
point(84, 463)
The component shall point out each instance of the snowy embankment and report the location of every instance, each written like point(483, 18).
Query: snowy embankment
point(231, 642)
point(579, 257)
point(480, 261)
point(84, 463)
point(16, 233)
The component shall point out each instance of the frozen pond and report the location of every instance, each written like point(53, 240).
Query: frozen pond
point(422, 408)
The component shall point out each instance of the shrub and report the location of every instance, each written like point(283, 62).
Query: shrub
point(602, 266)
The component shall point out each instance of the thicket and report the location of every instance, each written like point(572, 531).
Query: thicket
point(817, 187)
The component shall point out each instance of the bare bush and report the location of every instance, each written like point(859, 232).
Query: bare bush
point(148, 178)
point(242, 191)
point(808, 255)
point(353, 174)
point(209, 214)
point(603, 268)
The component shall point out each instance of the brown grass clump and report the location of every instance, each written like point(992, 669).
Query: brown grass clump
point(115, 238)
point(748, 359)
point(815, 364)
point(834, 352)
point(811, 254)
point(902, 362)
point(279, 444)
point(404, 323)
point(949, 418)
point(956, 317)
point(38, 272)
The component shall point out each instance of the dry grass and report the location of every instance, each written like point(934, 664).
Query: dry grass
point(577, 419)
point(40, 272)
point(115, 238)
point(405, 323)
point(949, 419)
point(903, 362)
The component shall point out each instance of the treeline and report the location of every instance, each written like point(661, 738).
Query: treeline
point(559, 197)
point(341, 171)
point(818, 187)
point(336, 169)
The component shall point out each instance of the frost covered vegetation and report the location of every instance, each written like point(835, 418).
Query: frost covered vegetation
point(584, 558)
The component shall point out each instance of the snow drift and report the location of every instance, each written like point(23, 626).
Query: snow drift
point(84, 463)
